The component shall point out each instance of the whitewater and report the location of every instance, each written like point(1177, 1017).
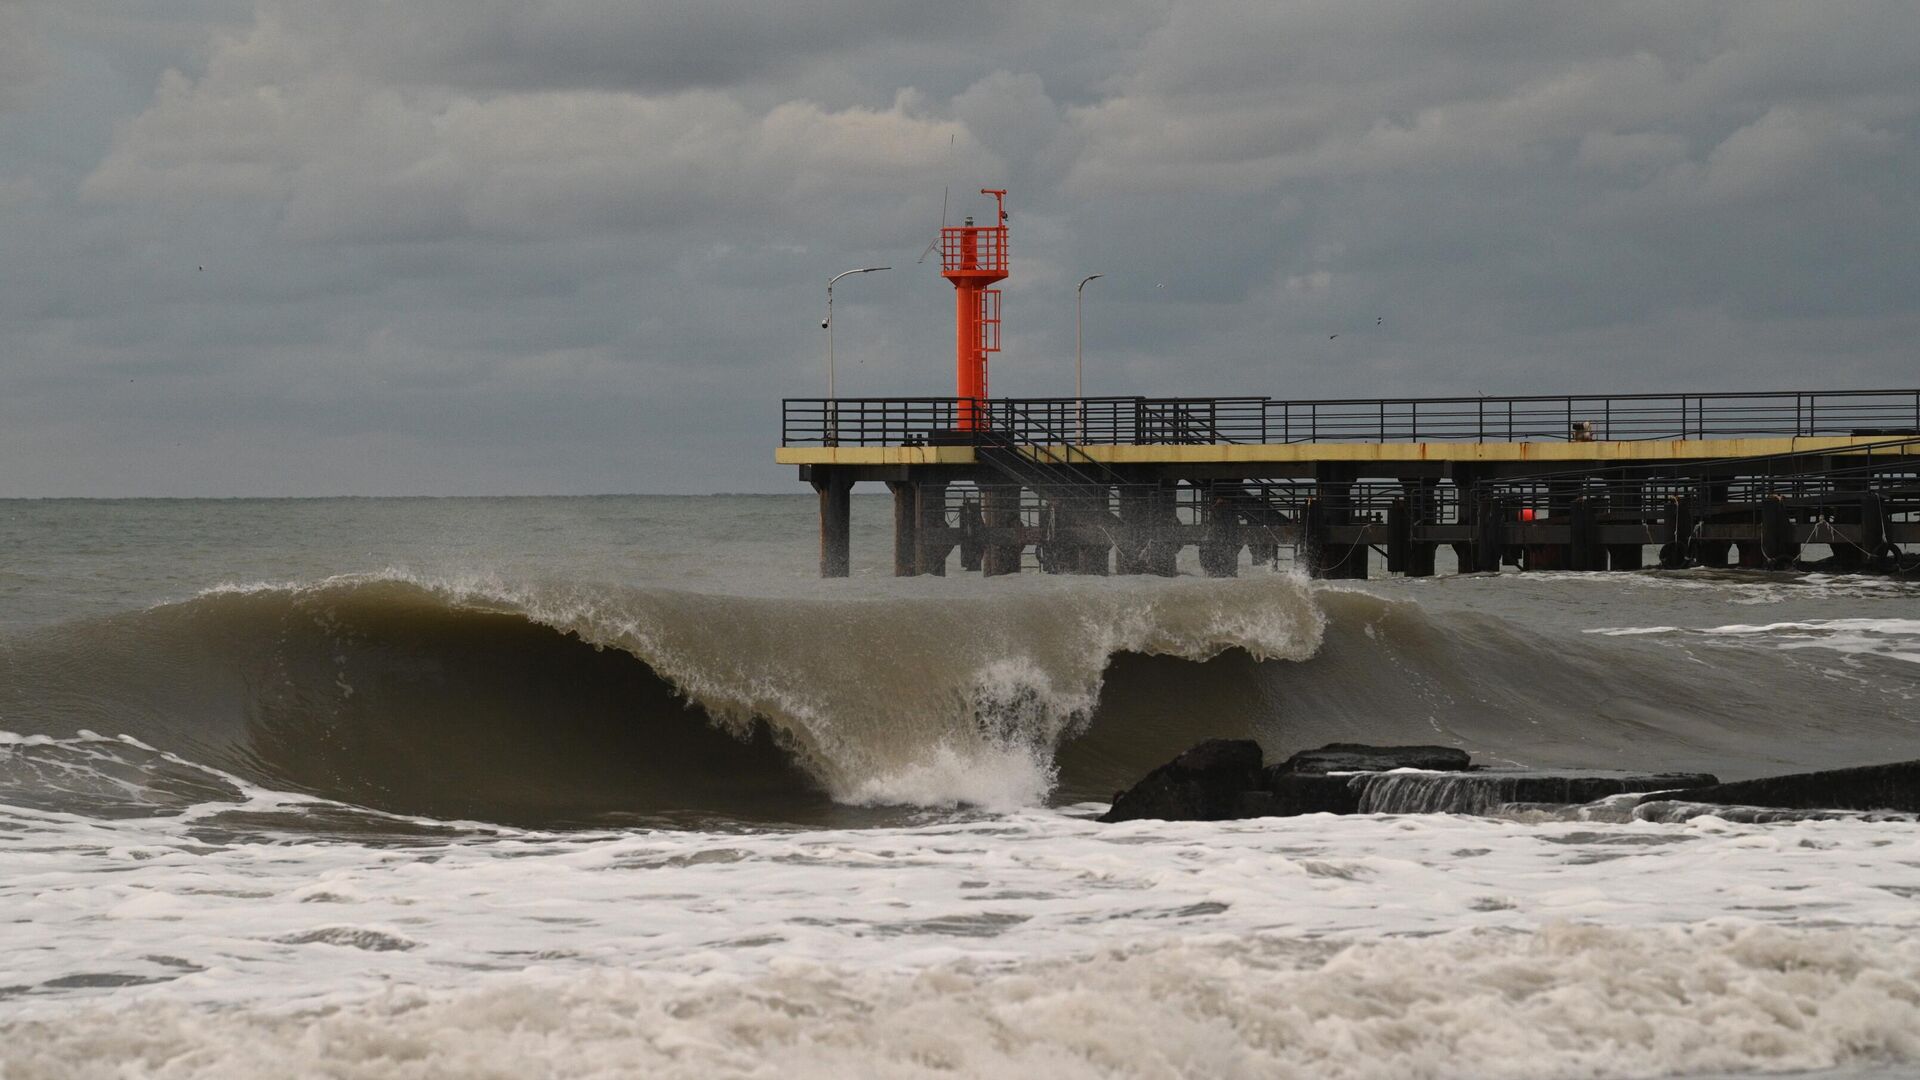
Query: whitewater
point(612, 787)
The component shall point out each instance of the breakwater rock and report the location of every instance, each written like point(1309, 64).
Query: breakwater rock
point(1344, 757)
point(1867, 787)
point(1224, 779)
point(1203, 784)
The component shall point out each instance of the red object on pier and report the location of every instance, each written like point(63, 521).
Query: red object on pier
point(1526, 513)
point(973, 257)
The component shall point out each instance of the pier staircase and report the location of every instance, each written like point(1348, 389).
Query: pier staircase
point(1076, 490)
point(1035, 456)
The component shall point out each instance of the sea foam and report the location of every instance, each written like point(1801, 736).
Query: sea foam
point(1564, 1001)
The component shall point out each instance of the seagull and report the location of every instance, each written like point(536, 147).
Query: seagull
point(1330, 337)
point(203, 268)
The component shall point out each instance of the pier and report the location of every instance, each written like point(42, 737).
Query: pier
point(1123, 485)
point(1108, 485)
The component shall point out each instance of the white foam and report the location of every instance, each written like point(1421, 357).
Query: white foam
point(1896, 639)
point(1007, 779)
point(1031, 884)
point(1034, 941)
point(1565, 1001)
point(1738, 587)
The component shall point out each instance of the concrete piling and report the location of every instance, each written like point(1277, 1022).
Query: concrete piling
point(1001, 512)
point(906, 529)
point(836, 522)
point(930, 500)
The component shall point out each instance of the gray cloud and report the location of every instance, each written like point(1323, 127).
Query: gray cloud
point(579, 246)
point(24, 55)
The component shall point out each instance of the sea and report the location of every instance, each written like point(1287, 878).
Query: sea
point(611, 787)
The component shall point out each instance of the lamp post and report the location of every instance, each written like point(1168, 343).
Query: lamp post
point(833, 401)
point(1079, 400)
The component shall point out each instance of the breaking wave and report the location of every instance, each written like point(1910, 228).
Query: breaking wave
point(567, 703)
point(557, 703)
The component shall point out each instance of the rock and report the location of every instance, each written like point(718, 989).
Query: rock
point(1310, 793)
point(1579, 790)
point(1867, 787)
point(1222, 780)
point(1203, 784)
point(1252, 804)
point(1359, 757)
point(1482, 792)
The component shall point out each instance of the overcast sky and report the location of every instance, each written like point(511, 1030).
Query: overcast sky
point(560, 246)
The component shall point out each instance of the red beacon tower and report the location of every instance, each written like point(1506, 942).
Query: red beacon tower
point(973, 257)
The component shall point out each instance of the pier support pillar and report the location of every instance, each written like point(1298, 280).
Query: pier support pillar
point(1584, 550)
point(1052, 552)
point(1849, 556)
point(1001, 510)
point(1777, 544)
point(1333, 494)
point(1873, 530)
point(1080, 518)
point(1261, 524)
point(1312, 546)
point(1461, 476)
point(836, 522)
point(1220, 551)
point(1130, 552)
point(1676, 553)
point(1489, 533)
point(1095, 556)
point(1714, 553)
point(1399, 535)
point(1625, 556)
point(1713, 504)
point(906, 529)
point(1163, 555)
point(930, 501)
point(972, 528)
point(1422, 498)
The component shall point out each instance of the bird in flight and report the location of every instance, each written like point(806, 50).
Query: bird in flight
point(1330, 337)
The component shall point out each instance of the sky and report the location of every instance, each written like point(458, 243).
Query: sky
point(461, 247)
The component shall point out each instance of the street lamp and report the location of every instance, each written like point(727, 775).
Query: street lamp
point(833, 401)
point(1080, 401)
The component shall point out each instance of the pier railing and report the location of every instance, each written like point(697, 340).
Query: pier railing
point(1265, 420)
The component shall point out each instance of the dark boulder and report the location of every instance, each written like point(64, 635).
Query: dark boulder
point(1203, 784)
point(1358, 757)
point(1309, 793)
point(1867, 787)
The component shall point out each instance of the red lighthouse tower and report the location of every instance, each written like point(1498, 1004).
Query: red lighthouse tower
point(973, 257)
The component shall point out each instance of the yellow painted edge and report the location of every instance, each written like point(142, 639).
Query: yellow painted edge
point(874, 455)
point(1663, 450)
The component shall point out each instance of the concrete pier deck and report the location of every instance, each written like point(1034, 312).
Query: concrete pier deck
point(1122, 485)
point(1301, 457)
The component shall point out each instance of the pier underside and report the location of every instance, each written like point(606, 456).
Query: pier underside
point(1026, 494)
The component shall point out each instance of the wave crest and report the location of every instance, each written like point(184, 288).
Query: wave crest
point(368, 687)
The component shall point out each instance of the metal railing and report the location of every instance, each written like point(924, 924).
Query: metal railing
point(1263, 420)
